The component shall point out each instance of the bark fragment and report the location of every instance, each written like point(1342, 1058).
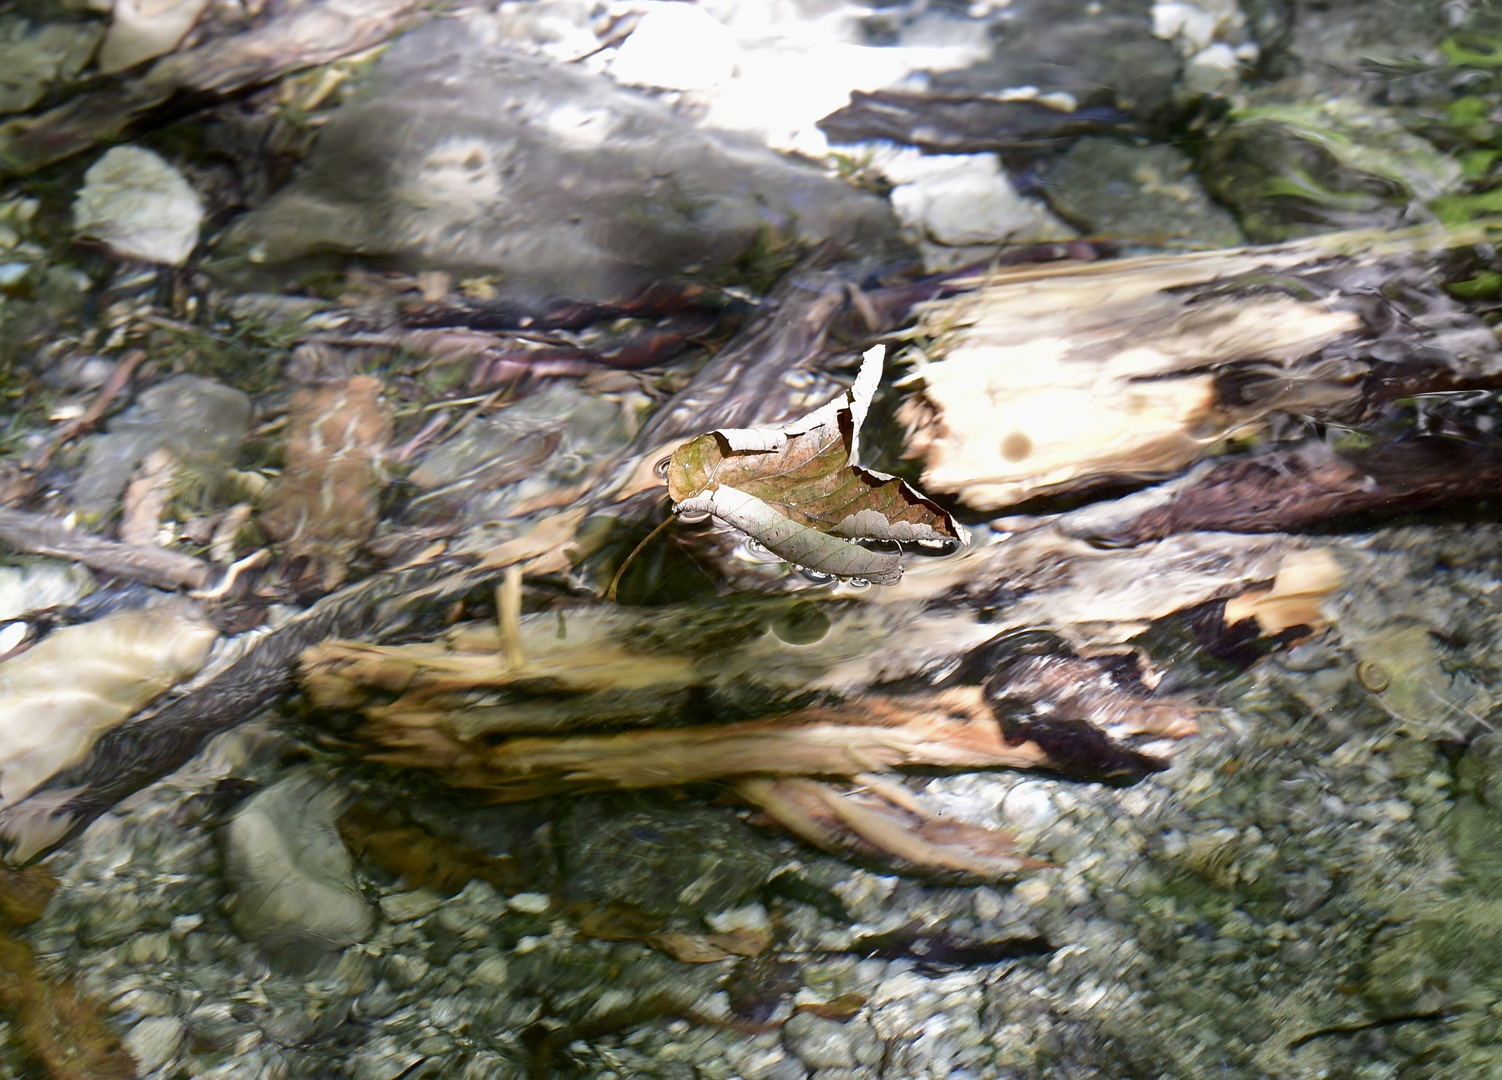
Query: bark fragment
point(1055, 379)
point(1312, 484)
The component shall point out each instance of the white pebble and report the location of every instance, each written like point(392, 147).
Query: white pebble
point(530, 903)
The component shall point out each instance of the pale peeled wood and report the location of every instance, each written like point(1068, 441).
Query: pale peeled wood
point(58, 697)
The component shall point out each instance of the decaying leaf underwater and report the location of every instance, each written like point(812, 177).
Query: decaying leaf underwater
point(800, 491)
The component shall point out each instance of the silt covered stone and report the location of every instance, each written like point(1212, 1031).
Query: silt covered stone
point(463, 155)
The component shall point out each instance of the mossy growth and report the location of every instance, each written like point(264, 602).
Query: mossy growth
point(245, 352)
point(1291, 170)
point(773, 252)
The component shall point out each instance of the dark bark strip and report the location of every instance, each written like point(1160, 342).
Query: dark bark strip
point(1313, 484)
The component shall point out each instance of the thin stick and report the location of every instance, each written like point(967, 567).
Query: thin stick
point(124, 368)
point(45, 535)
point(231, 575)
point(508, 610)
point(615, 581)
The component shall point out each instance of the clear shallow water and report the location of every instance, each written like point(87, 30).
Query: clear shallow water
point(1304, 890)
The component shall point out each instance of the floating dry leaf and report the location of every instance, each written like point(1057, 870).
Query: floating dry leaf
point(799, 490)
point(1305, 581)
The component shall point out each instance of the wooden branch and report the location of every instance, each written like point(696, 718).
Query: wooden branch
point(873, 735)
point(42, 534)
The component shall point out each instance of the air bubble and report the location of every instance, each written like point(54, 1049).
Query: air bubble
point(661, 468)
point(858, 583)
point(816, 577)
point(11, 636)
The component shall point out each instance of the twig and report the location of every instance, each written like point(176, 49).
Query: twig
point(124, 368)
point(430, 429)
point(231, 575)
point(508, 610)
point(616, 581)
point(43, 534)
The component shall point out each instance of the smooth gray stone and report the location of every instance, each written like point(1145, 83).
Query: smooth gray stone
point(1148, 193)
point(463, 156)
point(292, 875)
point(820, 1043)
point(200, 421)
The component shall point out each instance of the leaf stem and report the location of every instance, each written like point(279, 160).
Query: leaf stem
point(615, 581)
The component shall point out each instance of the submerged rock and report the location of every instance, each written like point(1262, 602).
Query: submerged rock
point(293, 877)
point(661, 859)
point(140, 206)
point(962, 206)
point(1150, 193)
point(528, 449)
point(1097, 53)
point(465, 156)
point(198, 420)
point(32, 57)
point(1296, 170)
point(154, 1041)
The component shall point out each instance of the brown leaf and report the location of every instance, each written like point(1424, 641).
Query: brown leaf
point(798, 489)
point(25, 894)
point(621, 922)
point(842, 1008)
point(425, 860)
point(1305, 580)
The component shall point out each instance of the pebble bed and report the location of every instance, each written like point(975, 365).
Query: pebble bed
point(1302, 894)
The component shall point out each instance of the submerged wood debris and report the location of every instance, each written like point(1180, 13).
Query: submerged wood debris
point(1043, 381)
point(461, 708)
